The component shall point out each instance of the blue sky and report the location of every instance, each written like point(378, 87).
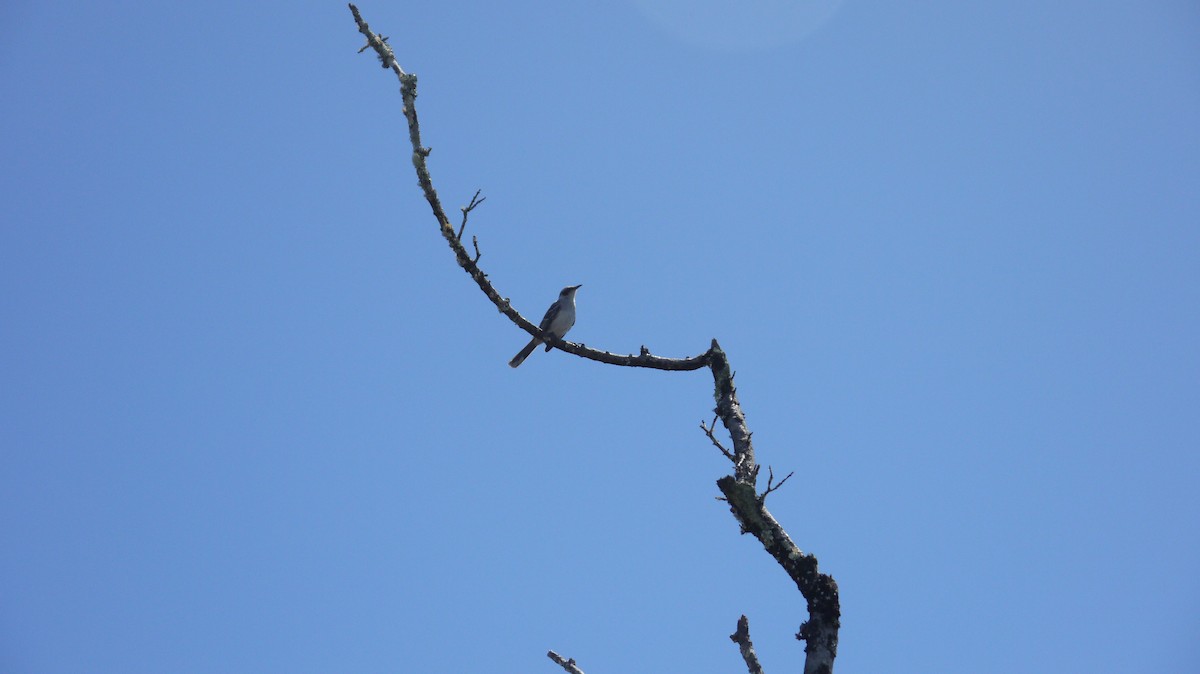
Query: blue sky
point(254, 419)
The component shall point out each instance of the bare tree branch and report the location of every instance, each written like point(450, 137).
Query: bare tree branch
point(566, 664)
point(742, 638)
point(730, 411)
point(408, 93)
point(821, 630)
point(820, 590)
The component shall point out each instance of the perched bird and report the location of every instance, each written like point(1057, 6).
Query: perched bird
point(558, 320)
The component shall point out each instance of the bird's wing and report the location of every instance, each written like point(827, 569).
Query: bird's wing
point(548, 319)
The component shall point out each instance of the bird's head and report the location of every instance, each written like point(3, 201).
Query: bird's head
point(569, 291)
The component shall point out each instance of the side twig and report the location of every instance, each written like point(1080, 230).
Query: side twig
point(708, 430)
point(475, 201)
point(770, 479)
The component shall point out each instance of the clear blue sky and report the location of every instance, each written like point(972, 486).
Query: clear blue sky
point(254, 419)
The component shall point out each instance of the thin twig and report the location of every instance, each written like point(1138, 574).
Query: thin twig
point(475, 201)
point(709, 430)
point(565, 663)
point(770, 479)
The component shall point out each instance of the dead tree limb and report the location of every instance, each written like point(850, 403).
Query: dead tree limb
point(742, 638)
point(820, 631)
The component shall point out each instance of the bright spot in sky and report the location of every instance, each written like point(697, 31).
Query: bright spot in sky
point(738, 24)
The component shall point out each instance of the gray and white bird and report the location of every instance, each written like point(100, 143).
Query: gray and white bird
point(558, 320)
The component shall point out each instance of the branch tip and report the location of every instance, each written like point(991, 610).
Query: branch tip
point(741, 637)
point(566, 663)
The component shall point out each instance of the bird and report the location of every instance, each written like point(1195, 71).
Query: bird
point(558, 320)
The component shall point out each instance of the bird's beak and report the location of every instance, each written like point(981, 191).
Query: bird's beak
point(577, 287)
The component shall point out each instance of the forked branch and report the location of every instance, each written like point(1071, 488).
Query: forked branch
point(820, 591)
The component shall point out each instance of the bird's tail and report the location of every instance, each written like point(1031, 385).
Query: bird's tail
point(520, 357)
